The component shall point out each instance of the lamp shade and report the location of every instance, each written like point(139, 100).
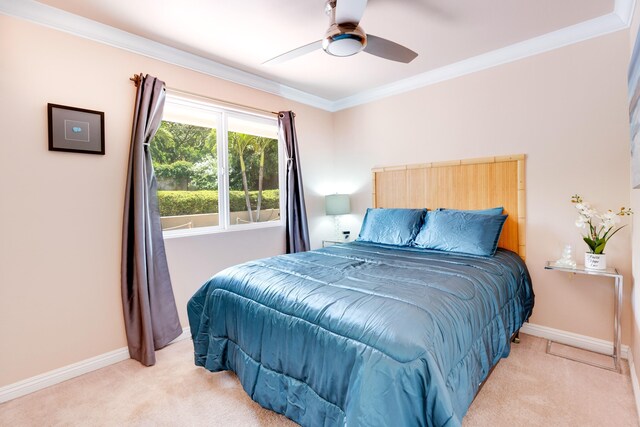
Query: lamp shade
point(337, 204)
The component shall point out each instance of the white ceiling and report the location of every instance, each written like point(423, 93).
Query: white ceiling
point(243, 34)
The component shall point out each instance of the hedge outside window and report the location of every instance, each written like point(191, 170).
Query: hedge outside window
point(215, 168)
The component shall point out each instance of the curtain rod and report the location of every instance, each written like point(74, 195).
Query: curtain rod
point(136, 80)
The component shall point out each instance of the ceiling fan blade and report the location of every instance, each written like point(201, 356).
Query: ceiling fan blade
point(350, 11)
point(299, 51)
point(389, 50)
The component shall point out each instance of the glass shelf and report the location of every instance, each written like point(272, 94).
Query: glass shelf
point(581, 269)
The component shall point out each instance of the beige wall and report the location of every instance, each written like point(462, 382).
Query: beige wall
point(60, 254)
point(59, 260)
point(567, 111)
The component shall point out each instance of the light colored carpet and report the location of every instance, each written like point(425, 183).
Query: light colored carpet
point(530, 388)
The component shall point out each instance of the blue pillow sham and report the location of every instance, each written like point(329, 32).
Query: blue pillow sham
point(391, 226)
point(461, 231)
point(490, 211)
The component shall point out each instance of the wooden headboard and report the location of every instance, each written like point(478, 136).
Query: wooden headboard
point(461, 184)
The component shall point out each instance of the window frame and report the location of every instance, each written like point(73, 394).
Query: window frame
point(222, 142)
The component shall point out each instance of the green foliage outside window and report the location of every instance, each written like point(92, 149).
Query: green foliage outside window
point(178, 172)
point(185, 161)
point(203, 202)
point(204, 174)
point(179, 141)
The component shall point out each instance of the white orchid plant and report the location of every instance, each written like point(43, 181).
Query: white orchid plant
point(601, 227)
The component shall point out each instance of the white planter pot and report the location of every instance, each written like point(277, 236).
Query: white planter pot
point(595, 261)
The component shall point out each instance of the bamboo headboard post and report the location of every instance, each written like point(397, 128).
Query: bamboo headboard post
point(460, 184)
point(522, 209)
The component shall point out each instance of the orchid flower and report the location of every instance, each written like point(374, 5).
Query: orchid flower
point(601, 227)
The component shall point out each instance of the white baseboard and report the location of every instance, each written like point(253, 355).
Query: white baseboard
point(56, 376)
point(65, 373)
point(576, 340)
point(634, 381)
point(186, 334)
point(59, 375)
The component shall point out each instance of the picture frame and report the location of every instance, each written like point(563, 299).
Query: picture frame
point(75, 130)
point(633, 80)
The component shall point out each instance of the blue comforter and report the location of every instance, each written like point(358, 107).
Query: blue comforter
point(361, 334)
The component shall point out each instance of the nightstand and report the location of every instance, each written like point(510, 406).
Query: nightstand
point(609, 272)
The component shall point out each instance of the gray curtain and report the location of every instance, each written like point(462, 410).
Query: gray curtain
point(150, 314)
point(296, 219)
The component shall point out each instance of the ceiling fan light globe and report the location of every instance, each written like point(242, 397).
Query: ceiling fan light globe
point(342, 47)
point(344, 40)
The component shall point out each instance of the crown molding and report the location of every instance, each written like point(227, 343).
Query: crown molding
point(624, 10)
point(51, 17)
point(618, 20)
point(48, 16)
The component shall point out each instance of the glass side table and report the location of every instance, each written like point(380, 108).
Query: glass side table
point(609, 272)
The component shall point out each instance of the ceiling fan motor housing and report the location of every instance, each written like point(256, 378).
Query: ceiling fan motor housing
point(344, 39)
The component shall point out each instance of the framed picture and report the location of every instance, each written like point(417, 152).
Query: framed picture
point(75, 130)
point(634, 112)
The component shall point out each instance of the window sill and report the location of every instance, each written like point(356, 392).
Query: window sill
point(174, 234)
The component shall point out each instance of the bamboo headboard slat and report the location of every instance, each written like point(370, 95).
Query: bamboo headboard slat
point(460, 184)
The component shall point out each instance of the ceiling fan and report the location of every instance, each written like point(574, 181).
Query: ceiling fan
point(345, 37)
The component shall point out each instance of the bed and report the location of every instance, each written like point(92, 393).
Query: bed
point(373, 333)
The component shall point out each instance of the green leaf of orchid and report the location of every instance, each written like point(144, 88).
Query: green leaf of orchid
point(590, 243)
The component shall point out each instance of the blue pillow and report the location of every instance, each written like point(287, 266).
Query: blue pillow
point(391, 226)
point(490, 211)
point(460, 231)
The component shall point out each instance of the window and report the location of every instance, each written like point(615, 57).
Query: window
point(216, 169)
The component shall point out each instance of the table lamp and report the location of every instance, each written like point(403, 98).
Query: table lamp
point(336, 205)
